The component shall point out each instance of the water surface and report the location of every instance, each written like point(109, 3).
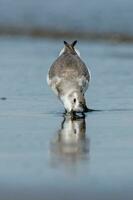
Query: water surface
point(97, 16)
point(44, 155)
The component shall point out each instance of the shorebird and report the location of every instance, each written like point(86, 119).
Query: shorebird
point(69, 78)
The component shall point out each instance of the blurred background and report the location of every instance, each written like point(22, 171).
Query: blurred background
point(84, 19)
point(44, 154)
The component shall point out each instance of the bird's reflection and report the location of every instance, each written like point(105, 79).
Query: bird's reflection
point(70, 144)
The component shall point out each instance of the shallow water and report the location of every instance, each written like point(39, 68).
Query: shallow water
point(46, 156)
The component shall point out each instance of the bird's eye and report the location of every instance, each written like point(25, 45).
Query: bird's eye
point(74, 100)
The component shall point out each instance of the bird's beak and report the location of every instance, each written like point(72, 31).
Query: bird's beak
point(85, 109)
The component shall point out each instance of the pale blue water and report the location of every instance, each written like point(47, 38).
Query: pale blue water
point(36, 162)
point(93, 15)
